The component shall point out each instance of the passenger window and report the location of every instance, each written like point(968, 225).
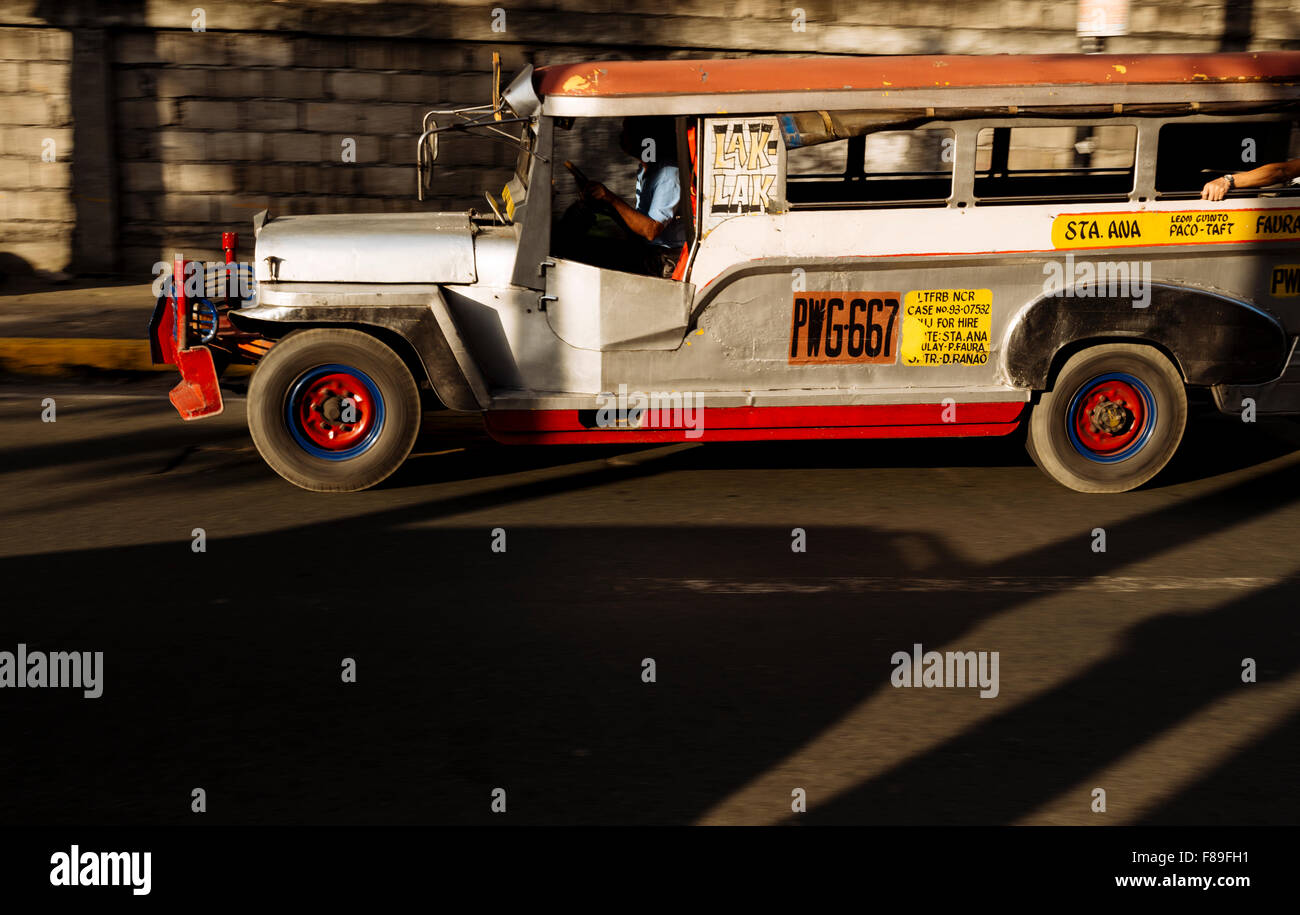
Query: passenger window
point(1192, 154)
point(885, 168)
point(1018, 164)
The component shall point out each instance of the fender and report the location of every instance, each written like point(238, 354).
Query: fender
point(1213, 339)
point(418, 315)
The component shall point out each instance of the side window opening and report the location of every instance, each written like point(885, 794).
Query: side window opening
point(1191, 154)
point(885, 167)
point(613, 152)
point(592, 145)
point(1088, 162)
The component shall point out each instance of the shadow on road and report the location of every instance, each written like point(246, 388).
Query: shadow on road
point(522, 670)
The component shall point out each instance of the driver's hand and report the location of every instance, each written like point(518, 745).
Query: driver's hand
point(1215, 190)
point(597, 191)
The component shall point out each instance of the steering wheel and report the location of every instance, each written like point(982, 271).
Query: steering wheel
point(577, 174)
point(495, 211)
point(584, 202)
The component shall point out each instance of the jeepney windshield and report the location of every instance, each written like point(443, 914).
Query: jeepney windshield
point(478, 123)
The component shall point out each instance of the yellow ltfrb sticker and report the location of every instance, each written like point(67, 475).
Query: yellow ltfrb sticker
point(947, 326)
point(1190, 227)
point(510, 203)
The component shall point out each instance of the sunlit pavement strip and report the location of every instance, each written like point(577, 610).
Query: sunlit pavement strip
point(26, 396)
point(54, 356)
point(59, 357)
point(1181, 755)
point(1024, 585)
point(867, 742)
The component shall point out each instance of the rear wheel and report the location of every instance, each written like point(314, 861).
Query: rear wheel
point(1112, 420)
point(333, 410)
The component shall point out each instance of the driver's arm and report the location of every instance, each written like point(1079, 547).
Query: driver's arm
point(634, 219)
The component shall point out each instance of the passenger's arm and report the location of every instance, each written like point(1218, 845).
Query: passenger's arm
point(1265, 175)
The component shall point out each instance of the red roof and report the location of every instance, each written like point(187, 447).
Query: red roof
point(784, 74)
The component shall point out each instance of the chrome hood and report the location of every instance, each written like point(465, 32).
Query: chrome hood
point(366, 248)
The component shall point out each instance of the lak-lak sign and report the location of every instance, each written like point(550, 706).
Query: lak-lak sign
point(743, 165)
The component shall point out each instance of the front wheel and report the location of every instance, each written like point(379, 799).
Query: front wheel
point(333, 410)
point(1112, 420)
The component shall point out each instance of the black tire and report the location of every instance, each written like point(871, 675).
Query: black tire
point(284, 442)
point(1054, 450)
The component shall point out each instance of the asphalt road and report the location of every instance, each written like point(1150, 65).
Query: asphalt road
point(523, 670)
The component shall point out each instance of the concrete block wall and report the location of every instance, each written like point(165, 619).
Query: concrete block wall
point(37, 217)
point(186, 133)
point(213, 127)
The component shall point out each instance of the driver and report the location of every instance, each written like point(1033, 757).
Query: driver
point(652, 217)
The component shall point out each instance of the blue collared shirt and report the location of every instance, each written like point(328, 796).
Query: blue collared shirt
point(658, 190)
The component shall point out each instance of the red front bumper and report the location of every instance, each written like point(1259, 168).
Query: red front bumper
point(198, 394)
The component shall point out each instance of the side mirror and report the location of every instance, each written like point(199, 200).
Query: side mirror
point(520, 95)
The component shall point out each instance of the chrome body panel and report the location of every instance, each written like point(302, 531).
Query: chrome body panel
point(593, 308)
point(343, 295)
point(495, 248)
point(367, 248)
point(512, 341)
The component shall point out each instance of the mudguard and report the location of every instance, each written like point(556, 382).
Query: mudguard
point(427, 326)
point(1213, 339)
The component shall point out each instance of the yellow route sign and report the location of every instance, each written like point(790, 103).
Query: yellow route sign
point(1187, 227)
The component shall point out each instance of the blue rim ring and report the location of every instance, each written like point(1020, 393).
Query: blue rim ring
point(295, 428)
point(1148, 408)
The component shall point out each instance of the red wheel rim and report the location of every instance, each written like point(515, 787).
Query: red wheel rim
point(1109, 416)
point(323, 413)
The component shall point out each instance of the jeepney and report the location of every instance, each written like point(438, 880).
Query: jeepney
point(874, 248)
